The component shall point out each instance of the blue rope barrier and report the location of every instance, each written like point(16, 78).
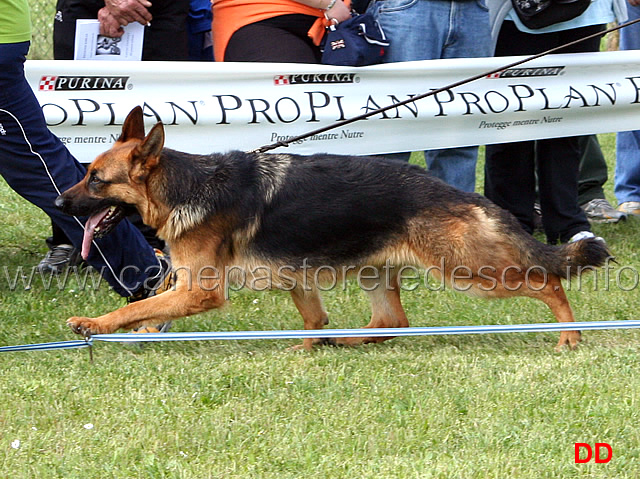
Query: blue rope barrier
point(48, 346)
point(330, 333)
point(368, 332)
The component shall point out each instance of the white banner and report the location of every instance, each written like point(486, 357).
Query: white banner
point(209, 107)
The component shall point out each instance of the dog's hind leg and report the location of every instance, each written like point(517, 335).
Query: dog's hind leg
point(547, 288)
point(386, 310)
point(553, 295)
point(309, 304)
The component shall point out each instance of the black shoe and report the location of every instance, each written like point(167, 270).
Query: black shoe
point(58, 258)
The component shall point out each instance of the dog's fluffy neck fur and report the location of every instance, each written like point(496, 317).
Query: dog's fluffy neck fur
point(200, 185)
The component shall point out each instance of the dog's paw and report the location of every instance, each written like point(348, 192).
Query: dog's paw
point(85, 326)
point(568, 339)
point(309, 344)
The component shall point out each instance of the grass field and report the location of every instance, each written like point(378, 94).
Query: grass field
point(502, 406)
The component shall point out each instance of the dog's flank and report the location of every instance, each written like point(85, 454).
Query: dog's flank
point(296, 215)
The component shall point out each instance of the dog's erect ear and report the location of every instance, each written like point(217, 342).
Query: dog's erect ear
point(147, 153)
point(133, 127)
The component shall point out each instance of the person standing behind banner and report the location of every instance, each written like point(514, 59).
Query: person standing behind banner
point(165, 35)
point(164, 40)
point(286, 31)
point(437, 29)
point(510, 168)
point(627, 177)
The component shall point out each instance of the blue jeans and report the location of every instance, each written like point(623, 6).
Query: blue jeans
point(36, 164)
point(627, 179)
point(435, 29)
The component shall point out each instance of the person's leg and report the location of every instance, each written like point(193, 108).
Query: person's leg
point(593, 169)
point(61, 255)
point(558, 160)
point(416, 29)
point(592, 176)
point(630, 36)
point(454, 166)
point(627, 175)
point(510, 167)
point(510, 179)
point(38, 166)
point(557, 166)
point(468, 37)
point(167, 39)
point(592, 164)
point(428, 29)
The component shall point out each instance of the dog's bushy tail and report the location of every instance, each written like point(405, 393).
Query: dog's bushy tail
point(569, 260)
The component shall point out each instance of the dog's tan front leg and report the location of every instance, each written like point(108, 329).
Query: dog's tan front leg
point(199, 287)
point(187, 299)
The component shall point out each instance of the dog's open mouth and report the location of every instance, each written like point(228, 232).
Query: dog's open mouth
point(100, 225)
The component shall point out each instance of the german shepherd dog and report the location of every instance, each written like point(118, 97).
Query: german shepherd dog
point(303, 217)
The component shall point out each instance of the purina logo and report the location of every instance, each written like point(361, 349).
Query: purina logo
point(309, 78)
point(66, 83)
point(528, 72)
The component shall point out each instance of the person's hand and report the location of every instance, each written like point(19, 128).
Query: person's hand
point(634, 3)
point(129, 11)
point(340, 12)
point(109, 26)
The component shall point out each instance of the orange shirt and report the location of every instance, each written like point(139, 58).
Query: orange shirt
point(231, 15)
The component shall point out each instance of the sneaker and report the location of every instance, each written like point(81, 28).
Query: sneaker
point(630, 207)
point(600, 210)
point(162, 282)
point(584, 235)
point(160, 328)
point(58, 258)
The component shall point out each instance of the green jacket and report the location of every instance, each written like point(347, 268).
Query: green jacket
point(15, 23)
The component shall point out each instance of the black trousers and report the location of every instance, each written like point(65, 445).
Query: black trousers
point(278, 39)
point(511, 168)
point(165, 40)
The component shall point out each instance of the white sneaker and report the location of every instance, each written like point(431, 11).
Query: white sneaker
point(584, 235)
point(630, 208)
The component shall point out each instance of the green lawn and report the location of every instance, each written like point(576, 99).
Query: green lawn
point(494, 406)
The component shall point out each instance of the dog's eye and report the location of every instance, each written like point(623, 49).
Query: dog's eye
point(94, 180)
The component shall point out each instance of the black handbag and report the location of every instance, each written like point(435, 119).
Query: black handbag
point(355, 42)
point(542, 13)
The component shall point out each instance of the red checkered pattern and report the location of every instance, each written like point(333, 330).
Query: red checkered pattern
point(48, 83)
point(494, 75)
point(281, 80)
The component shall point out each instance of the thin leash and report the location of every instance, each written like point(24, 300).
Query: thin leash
point(348, 121)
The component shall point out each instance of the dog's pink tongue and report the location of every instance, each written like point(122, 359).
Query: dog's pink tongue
point(89, 227)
